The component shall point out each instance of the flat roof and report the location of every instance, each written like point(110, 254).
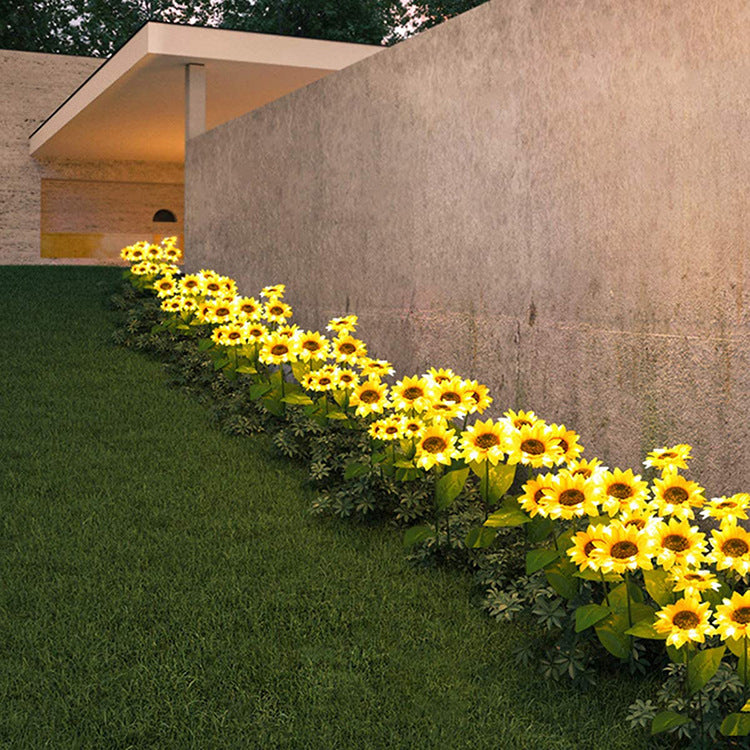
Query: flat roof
point(133, 106)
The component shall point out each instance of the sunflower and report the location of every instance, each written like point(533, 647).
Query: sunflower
point(669, 459)
point(142, 268)
point(412, 427)
point(346, 378)
point(436, 446)
point(622, 490)
point(678, 543)
point(583, 551)
point(479, 395)
point(228, 287)
point(568, 442)
point(346, 348)
point(312, 346)
point(277, 311)
point(533, 445)
point(255, 332)
point(249, 308)
point(220, 312)
point(693, 582)
point(369, 396)
point(190, 284)
point(211, 284)
point(585, 468)
point(483, 441)
point(437, 376)
point(641, 517)
point(187, 304)
point(153, 252)
point(676, 496)
point(732, 617)
point(410, 394)
point(520, 419)
point(234, 334)
point(288, 330)
point(443, 411)
point(375, 430)
point(323, 380)
point(173, 253)
point(390, 428)
point(730, 548)
point(534, 498)
point(203, 313)
point(453, 393)
point(166, 286)
point(171, 304)
point(379, 368)
point(623, 548)
point(685, 620)
point(276, 290)
point(727, 508)
point(344, 324)
point(571, 496)
point(277, 349)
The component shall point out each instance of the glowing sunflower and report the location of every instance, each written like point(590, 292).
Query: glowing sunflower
point(693, 582)
point(346, 348)
point(483, 441)
point(228, 287)
point(255, 332)
point(275, 290)
point(479, 395)
point(676, 496)
point(312, 346)
point(436, 446)
point(534, 499)
point(583, 551)
point(453, 393)
point(436, 376)
point(369, 397)
point(173, 253)
point(143, 268)
point(390, 428)
point(343, 325)
point(375, 430)
point(379, 368)
point(520, 419)
point(288, 330)
point(235, 335)
point(443, 411)
point(277, 311)
point(211, 284)
point(568, 442)
point(346, 379)
point(171, 304)
point(190, 284)
point(249, 308)
point(641, 517)
point(732, 617)
point(571, 496)
point(153, 252)
point(219, 312)
point(585, 468)
point(533, 445)
point(727, 508)
point(622, 490)
point(412, 427)
point(678, 543)
point(277, 349)
point(166, 287)
point(410, 394)
point(623, 548)
point(686, 620)
point(187, 304)
point(323, 380)
point(730, 548)
point(669, 459)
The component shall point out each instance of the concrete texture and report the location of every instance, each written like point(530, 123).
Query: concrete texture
point(550, 197)
point(31, 86)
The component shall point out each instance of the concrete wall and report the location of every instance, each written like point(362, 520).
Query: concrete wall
point(551, 197)
point(32, 85)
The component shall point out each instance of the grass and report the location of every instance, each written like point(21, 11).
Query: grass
point(164, 585)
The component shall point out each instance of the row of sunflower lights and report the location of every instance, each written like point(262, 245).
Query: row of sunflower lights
point(586, 521)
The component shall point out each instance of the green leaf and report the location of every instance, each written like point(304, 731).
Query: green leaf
point(408, 475)
point(561, 576)
point(736, 725)
point(536, 559)
point(618, 597)
point(480, 537)
point(658, 586)
point(494, 481)
point(298, 399)
point(449, 487)
point(703, 666)
point(417, 534)
point(258, 390)
point(736, 646)
point(356, 469)
point(667, 720)
point(645, 629)
point(676, 655)
point(539, 528)
point(741, 670)
point(221, 362)
point(509, 514)
point(299, 369)
point(589, 614)
point(611, 634)
point(593, 575)
point(336, 414)
point(274, 406)
point(248, 370)
point(158, 327)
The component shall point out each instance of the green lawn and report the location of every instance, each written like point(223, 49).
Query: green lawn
point(165, 586)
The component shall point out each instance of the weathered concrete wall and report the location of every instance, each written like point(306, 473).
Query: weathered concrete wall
point(551, 197)
point(32, 85)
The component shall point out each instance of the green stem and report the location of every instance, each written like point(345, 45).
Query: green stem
point(627, 591)
point(744, 674)
point(486, 490)
point(604, 586)
point(687, 668)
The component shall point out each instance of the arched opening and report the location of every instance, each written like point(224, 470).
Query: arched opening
point(164, 214)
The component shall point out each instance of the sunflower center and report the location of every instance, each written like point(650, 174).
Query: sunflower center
point(347, 348)
point(234, 335)
point(693, 577)
point(624, 549)
point(451, 396)
point(255, 333)
point(212, 287)
point(620, 490)
point(667, 454)
point(391, 430)
point(539, 494)
point(279, 349)
point(276, 310)
point(486, 440)
point(586, 473)
point(571, 497)
point(563, 444)
point(741, 615)
point(190, 283)
point(412, 392)
point(519, 423)
point(727, 504)
point(675, 495)
point(474, 395)
point(675, 542)
point(589, 547)
point(222, 312)
point(369, 396)
point(249, 309)
point(325, 380)
point(735, 547)
point(533, 446)
point(639, 523)
point(310, 345)
point(686, 620)
point(434, 444)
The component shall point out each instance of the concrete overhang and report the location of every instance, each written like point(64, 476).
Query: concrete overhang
point(133, 106)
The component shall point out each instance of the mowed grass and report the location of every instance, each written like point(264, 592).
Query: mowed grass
point(164, 585)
